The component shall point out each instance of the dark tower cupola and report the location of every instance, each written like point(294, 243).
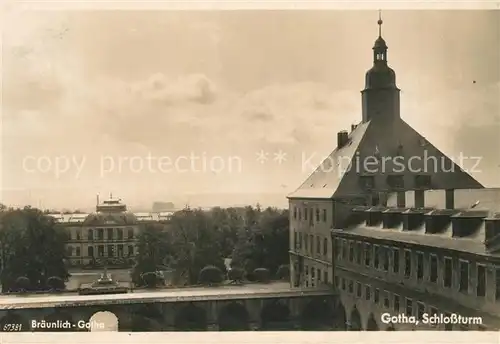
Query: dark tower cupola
point(381, 95)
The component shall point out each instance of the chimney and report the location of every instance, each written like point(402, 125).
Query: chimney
point(342, 138)
point(353, 126)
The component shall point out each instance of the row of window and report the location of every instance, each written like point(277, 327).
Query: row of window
point(111, 234)
point(103, 250)
point(387, 259)
point(387, 300)
point(316, 276)
point(396, 181)
point(309, 242)
point(309, 214)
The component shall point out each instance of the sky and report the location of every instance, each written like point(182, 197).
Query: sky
point(133, 102)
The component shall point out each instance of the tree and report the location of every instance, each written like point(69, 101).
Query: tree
point(33, 246)
point(152, 246)
point(263, 241)
point(194, 243)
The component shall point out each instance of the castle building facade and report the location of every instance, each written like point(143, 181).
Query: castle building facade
point(384, 172)
point(107, 236)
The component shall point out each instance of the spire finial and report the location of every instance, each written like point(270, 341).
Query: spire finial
point(380, 22)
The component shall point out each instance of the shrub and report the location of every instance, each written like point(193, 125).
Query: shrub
point(210, 275)
point(262, 275)
point(236, 274)
point(22, 283)
point(251, 277)
point(283, 272)
point(150, 279)
point(55, 283)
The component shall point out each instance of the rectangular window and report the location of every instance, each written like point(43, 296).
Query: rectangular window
point(300, 214)
point(130, 250)
point(318, 245)
point(447, 272)
point(110, 233)
point(295, 242)
point(464, 277)
point(376, 296)
point(300, 240)
point(434, 268)
point(324, 215)
point(306, 213)
point(448, 326)
point(110, 251)
point(345, 248)
point(386, 300)
point(325, 246)
point(407, 263)
point(351, 287)
point(386, 258)
point(318, 273)
point(420, 310)
point(317, 215)
point(78, 235)
point(409, 307)
point(130, 233)
point(325, 276)
point(295, 213)
point(359, 253)
point(100, 234)
point(396, 303)
point(78, 251)
point(311, 242)
point(306, 242)
point(376, 254)
point(337, 281)
point(343, 283)
point(120, 250)
point(497, 285)
point(100, 251)
point(337, 248)
point(420, 265)
point(395, 255)
point(367, 292)
point(481, 281)
point(351, 251)
point(358, 289)
point(368, 254)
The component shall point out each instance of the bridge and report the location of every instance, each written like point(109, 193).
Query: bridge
point(272, 306)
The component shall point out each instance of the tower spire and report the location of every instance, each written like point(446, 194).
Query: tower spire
point(380, 22)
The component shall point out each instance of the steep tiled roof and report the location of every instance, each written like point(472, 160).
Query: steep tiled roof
point(378, 144)
point(325, 180)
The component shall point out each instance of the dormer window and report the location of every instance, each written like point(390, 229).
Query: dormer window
point(423, 181)
point(396, 181)
point(367, 182)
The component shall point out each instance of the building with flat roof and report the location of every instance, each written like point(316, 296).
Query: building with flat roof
point(107, 235)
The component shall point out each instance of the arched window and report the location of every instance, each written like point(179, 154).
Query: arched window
point(90, 234)
point(90, 251)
